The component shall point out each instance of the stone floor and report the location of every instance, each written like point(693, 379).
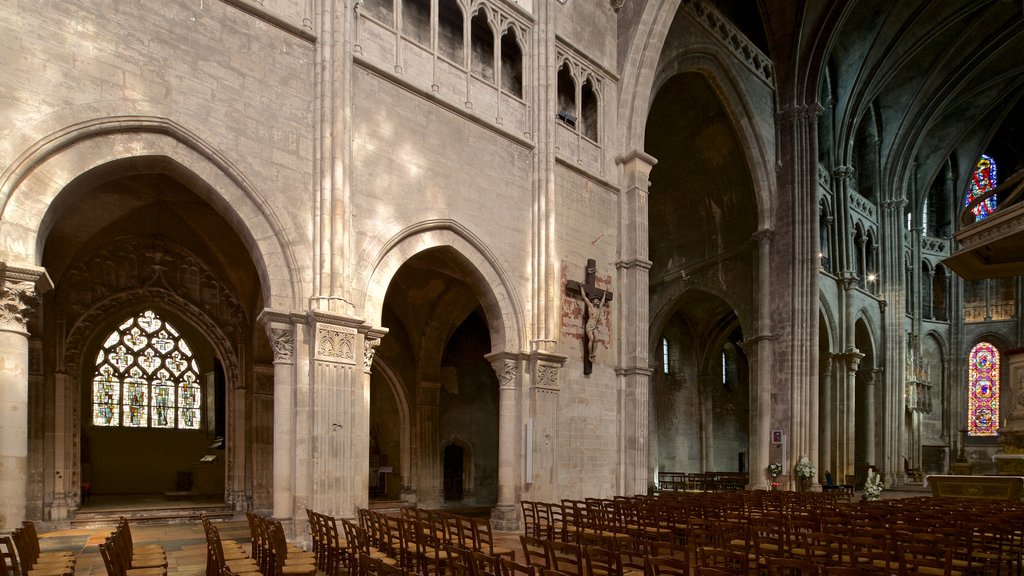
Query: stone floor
point(184, 542)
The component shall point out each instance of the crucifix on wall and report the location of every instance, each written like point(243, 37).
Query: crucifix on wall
point(594, 299)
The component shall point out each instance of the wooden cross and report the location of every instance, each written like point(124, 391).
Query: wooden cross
point(595, 299)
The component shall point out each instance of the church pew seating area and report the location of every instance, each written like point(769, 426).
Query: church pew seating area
point(20, 555)
point(122, 558)
point(758, 533)
point(416, 541)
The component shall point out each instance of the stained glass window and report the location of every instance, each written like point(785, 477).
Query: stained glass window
point(983, 180)
point(146, 377)
point(983, 390)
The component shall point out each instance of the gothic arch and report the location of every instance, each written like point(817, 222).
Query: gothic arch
point(661, 314)
point(37, 176)
point(491, 282)
point(712, 65)
point(828, 316)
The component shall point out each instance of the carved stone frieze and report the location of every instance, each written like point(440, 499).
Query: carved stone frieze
point(150, 263)
point(335, 343)
point(547, 376)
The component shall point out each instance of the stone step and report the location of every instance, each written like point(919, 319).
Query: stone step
point(161, 515)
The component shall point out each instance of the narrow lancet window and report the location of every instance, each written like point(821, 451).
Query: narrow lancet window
point(482, 46)
point(511, 64)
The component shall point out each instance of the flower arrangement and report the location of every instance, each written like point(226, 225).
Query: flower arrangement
point(804, 468)
point(774, 469)
point(873, 486)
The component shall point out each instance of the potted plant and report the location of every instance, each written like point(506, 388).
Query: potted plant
point(774, 470)
point(805, 471)
point(873, 486)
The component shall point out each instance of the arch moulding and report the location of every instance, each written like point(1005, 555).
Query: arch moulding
point(31, 183)
point(489, 280)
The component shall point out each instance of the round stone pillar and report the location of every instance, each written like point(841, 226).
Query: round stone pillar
point(17, 299)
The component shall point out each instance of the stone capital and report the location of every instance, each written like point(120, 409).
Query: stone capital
point(852, 357)
point(20, 288)
point(763, 235)
point(843, 172)
point(506, 366)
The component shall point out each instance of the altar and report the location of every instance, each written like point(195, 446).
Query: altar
point(982, 487)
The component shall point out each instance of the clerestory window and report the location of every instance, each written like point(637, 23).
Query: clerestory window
point(146, 377)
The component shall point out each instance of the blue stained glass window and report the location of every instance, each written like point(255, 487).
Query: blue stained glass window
point(146, 377)
point(983, 180)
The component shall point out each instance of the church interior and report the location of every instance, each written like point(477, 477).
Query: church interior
point(290, 255)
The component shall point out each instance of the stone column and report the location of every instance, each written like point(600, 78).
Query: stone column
point(281, 334)
point(19, 288)
point(791, 291)
point(846, 424)
point(507, 367)
point(634, 371)
point(825, 453)
point(869, 414)
point(760, 348)
point(427, 455)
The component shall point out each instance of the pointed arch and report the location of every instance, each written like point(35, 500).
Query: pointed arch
point(32, 182)
point(489, 279)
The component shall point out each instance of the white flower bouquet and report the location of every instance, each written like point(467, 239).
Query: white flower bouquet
point(805, 470)
point(873, 486)
point(774, 469)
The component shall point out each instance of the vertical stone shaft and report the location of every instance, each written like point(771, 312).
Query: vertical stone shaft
point(17, 298)
point(634, 371)
point(798, 184)
point(281, 334)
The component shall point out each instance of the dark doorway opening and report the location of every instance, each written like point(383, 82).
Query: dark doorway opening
point(454, 458)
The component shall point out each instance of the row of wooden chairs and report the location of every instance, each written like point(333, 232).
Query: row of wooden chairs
point(273, 554)
point(226, 557)
point(330, 548)
point(22, 556)
point(122, 557)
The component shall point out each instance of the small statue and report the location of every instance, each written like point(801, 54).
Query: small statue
point(593, 321)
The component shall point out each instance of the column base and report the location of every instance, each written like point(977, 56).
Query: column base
point(505, 518)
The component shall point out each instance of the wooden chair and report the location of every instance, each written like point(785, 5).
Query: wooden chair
point(600, 561)
point(791, 567)
point(26, 561)
point(460, 561)
point(733, 561)
point(566, 557)
point(507, 567)
point(535, 552)
point(666, 566)
point(287, 560)
point(217, 565)
point(483, 539)
point(484, 564)
point(8, 552)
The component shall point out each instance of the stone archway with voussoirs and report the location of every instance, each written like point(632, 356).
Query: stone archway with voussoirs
point(43, 170)
point(493, 283)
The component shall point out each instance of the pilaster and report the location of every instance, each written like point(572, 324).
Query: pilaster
point(540, 474)
point(333, 413)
